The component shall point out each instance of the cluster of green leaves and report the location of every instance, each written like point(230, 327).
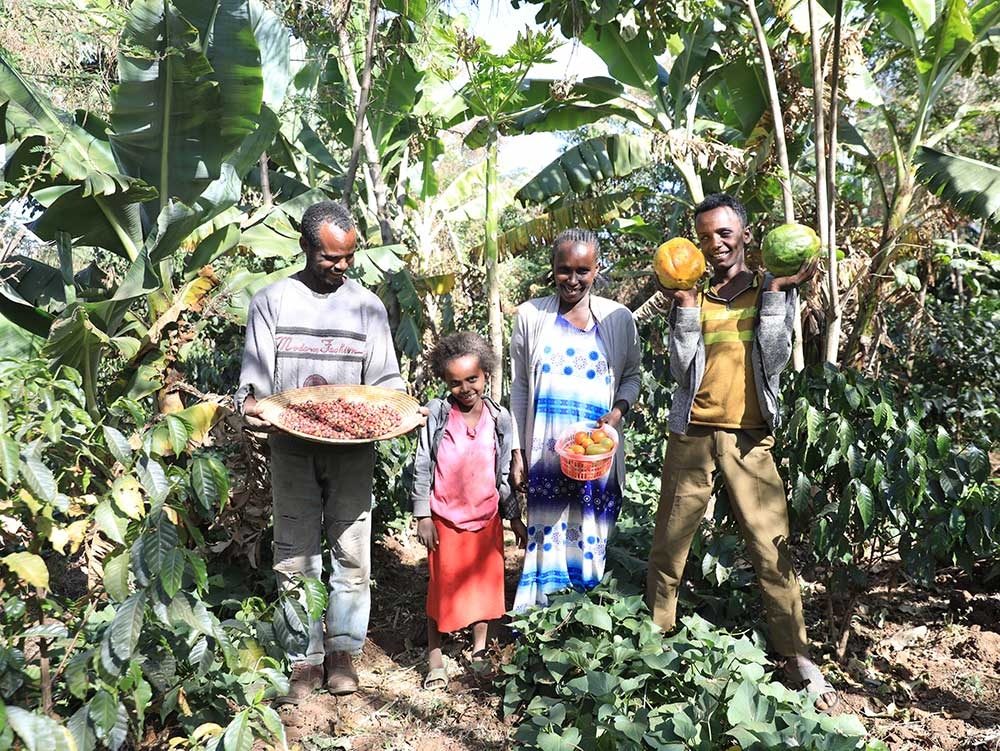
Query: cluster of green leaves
point(867, 479)
point(143, 639)
point(950, 360)
point(592, 671)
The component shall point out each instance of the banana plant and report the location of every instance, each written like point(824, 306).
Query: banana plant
point(668, 103)
point(939, 42)
point(188, 121)
point(493, 94)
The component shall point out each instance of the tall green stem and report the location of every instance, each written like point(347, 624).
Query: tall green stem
point(491, 254)
point(835, 313)
point(784, 171)
point(819, 147)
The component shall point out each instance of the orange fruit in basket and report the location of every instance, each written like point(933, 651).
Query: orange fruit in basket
point(596, 449)
point(598, 435)
point(578, 437)
point(575, 448)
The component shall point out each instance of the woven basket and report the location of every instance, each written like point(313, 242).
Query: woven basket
point(581, 466)
point(406, 406)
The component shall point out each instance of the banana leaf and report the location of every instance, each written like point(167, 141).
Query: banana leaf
point(190, 92)
point(593, 161)
point(971, 186)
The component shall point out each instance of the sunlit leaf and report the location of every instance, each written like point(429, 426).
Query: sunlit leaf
point(39, 733)
point(865, 502)
point(38, 477)
point(127, 496)
point(47, 630)
point(153, 479)
point(239, 734)
point(177, 433)
point(118, 445)
point(316, 596)
point(10, 460)
point(110, 523)
point(29, 568)
point(103, 711)
point(70, 534)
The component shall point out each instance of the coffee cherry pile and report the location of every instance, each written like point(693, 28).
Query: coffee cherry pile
point(341, 419)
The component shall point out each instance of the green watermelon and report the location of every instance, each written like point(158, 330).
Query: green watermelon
point(787, 247)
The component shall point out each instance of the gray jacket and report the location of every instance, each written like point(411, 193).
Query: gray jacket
point(618, 332)
point(769, 353)
point(425, 459)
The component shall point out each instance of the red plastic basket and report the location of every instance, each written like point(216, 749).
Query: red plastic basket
point(581, 466)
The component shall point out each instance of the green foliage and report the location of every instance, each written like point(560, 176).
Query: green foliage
point(867, 479)
point(949, 358)
point(971, 186)
point(593, 672)
point(146, 641)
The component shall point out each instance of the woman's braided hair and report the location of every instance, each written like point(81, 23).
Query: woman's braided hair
point(576, 236)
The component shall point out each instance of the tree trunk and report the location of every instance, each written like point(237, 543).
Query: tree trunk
point(265, 183)
point(835, 313)
point(361, 92)
point(819, 143)
point(490, 255)
point(784, 172)
point(869, 295)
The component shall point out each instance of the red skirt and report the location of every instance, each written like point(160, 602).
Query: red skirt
point(466, 575)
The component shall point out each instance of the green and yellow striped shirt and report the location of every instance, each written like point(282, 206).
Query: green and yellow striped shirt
point(727, 396)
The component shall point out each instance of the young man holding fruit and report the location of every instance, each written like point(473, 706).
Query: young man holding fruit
point(729, 341)
point(320, 327)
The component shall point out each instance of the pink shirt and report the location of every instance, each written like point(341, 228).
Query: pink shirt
point(465, 484)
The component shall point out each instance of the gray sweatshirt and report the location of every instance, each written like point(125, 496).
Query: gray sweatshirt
point(297, 337)
point(769, 353)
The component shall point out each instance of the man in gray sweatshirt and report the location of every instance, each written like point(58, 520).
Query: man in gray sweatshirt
point(320, 327)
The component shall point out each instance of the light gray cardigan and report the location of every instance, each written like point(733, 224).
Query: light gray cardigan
point(769, 353)
point(619, 335)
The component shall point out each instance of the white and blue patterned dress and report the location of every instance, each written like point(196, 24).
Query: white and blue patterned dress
point(568, 520)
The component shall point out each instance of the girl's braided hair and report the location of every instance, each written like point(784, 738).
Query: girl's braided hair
point(458, 345)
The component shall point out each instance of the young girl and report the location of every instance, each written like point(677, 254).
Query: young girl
point(460, 483)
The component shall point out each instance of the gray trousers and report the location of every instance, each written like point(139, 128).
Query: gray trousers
point(329, 491)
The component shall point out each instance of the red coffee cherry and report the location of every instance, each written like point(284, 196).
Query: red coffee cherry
point(341, 419)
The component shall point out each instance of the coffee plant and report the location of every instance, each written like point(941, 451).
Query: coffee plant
point(106, 615)
point(868, 481)
point(593, 672)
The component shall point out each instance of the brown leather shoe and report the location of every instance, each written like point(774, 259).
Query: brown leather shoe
point(341, 677)
point(305, 679)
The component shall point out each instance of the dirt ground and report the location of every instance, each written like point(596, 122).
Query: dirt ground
point(922, 671)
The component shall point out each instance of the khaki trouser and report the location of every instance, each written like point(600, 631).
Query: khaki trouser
point(757, 496)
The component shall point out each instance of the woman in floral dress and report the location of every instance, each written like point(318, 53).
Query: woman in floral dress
point(574, 357)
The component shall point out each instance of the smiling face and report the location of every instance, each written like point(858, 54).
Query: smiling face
point(722, 238)
point(465, 380)
point(327, 264)
point(574, 268)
